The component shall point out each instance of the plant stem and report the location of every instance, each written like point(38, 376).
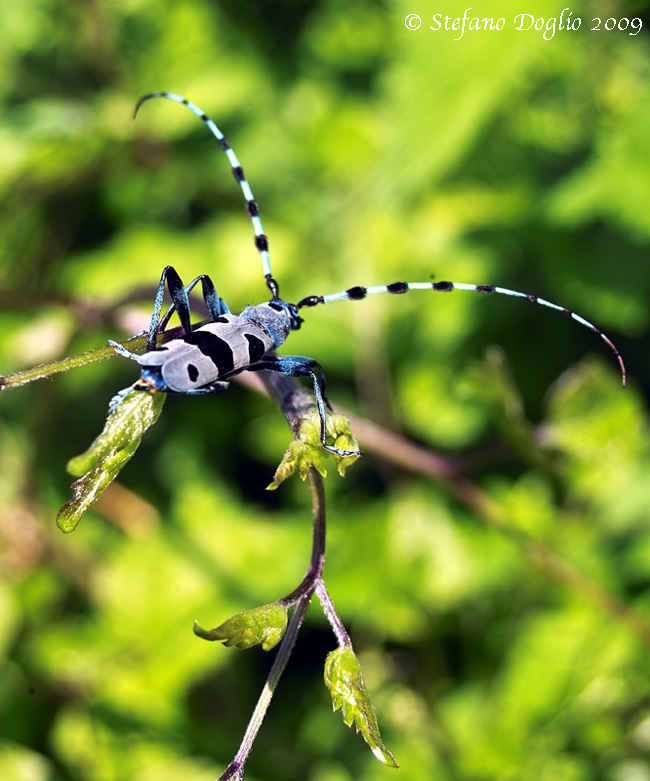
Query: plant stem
point(48, 369)
point(135, 344)
point(397, 450)
point(235, 768)
point(315, 571)
point(328, 608)
point(301, 597)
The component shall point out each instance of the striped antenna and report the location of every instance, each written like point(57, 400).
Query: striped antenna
point(357, 293)
point(261, 241)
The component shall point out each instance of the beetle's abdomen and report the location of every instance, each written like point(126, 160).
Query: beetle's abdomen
point(209, 353)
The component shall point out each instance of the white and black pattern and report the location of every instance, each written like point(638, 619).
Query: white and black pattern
point(204, 358)
point(212, 352)
point(359, 292)
point(261, 241)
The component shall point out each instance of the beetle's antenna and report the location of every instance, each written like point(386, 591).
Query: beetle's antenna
point(357, 293)
point(261, 241)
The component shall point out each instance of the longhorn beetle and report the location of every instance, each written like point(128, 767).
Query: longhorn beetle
point(205, 358)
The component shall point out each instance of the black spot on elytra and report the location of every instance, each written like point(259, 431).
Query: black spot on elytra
point(216, 349)
point(256, 347)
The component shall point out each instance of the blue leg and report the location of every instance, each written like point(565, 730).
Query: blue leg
point(216, 306)
point(209, 390)
point(115, 401)
point(300, 366)
point(120, 349)
point(180, 302)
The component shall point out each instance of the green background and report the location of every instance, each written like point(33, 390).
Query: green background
point(377, 153)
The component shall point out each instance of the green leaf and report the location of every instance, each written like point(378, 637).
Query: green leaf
point(109, 454)
point(307, 451)
point(344, 680)
point(265, 625)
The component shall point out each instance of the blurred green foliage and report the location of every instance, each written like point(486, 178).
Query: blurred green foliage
point(376, 153)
